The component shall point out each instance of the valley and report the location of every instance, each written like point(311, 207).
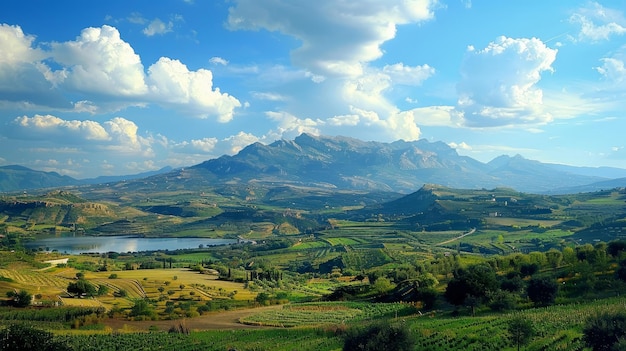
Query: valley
point(452, 268)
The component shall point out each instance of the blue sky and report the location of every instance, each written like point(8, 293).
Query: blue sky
point(122, 87)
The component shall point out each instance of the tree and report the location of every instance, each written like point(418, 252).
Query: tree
point(103, 290)
point(528, 269)
point(142, 308)
point(19, 337)
point(621, 271)
point(379, 336)
point(382, 285)
point(80, 287)
point(542, 291)
point(473, 284)
point(262, 298)
point(604, 331)
point(20, 299)
point(520, 330)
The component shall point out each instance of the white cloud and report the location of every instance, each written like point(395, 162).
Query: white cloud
point(158, 27)
point(171, 82)
point(343, 120)
point(460, 146)
point(612, 69)
point(407, 75)
point(499, 83)
point(204, 144)
point(598, 23)
point(337, 37)
point(239, 141)
point(20, 45)
point(100, 72)
point(218, 61)
point(118, 134)
point(99, 61)
point(290, 125)
point(38, 125)
point(433, 116)
point(268, 96)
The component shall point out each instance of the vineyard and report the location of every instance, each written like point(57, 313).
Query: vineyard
point(308, 314)
point(556, 328)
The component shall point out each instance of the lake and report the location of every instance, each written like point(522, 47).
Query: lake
point(121, 244)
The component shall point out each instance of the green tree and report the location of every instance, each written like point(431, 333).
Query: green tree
point(20, 299)
point(81, 286)
point(262, 298)
point(103, 290)
point(379, 336)
point(542, 291)
point(605, 331)
point(472, 285)
point(520, 330)
point(20, 337)
point(382, 285)
point(142, 308)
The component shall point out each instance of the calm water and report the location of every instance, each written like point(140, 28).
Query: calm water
point(102, 244)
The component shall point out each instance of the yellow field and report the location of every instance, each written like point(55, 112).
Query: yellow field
point(150, 283)
point(87, 302)
point(204, 286)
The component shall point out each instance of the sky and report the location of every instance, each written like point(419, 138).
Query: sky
point(123, 87)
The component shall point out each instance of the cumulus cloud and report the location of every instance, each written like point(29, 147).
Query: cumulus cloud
point(158, 27)
point(99, 61)
point(337, 37)
point(117, 134)
point(238, 141)
point(20, 44)
point(407, 75)
point(290, 125)
point(173, 83)
point(598, 23)
point(498, 84)
point(204, 144)
point(103, 73)
point(23, 81)
point(38, 125)
point(460, 146)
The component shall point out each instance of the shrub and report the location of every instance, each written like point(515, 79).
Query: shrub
point(605, 331)
point(18, 337)
point(379, 336)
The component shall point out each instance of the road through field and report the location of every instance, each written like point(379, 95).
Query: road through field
point(225, 320)
point(458, 237)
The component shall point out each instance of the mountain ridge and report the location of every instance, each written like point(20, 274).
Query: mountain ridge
point(351, 164)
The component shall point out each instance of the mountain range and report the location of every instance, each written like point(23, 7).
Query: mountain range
point(344, 163)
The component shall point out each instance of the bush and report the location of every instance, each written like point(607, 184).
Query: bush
point(18, 337)
point(605, 331)
point(20, 299)
point(379, 336)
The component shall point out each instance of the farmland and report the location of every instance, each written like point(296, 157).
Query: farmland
point(303, 277)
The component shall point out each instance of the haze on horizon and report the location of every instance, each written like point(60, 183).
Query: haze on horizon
point(126, 87)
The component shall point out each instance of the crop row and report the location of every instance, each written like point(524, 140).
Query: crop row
point(326, 313)
point(34, 278)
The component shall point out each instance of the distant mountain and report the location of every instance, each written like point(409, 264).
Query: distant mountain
point(347, 163)
point(18, 178)
point(339, 163)
point(598, 186)
point(113, 179)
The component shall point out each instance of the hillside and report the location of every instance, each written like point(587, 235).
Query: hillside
point(347, 163)
point(341, 163)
